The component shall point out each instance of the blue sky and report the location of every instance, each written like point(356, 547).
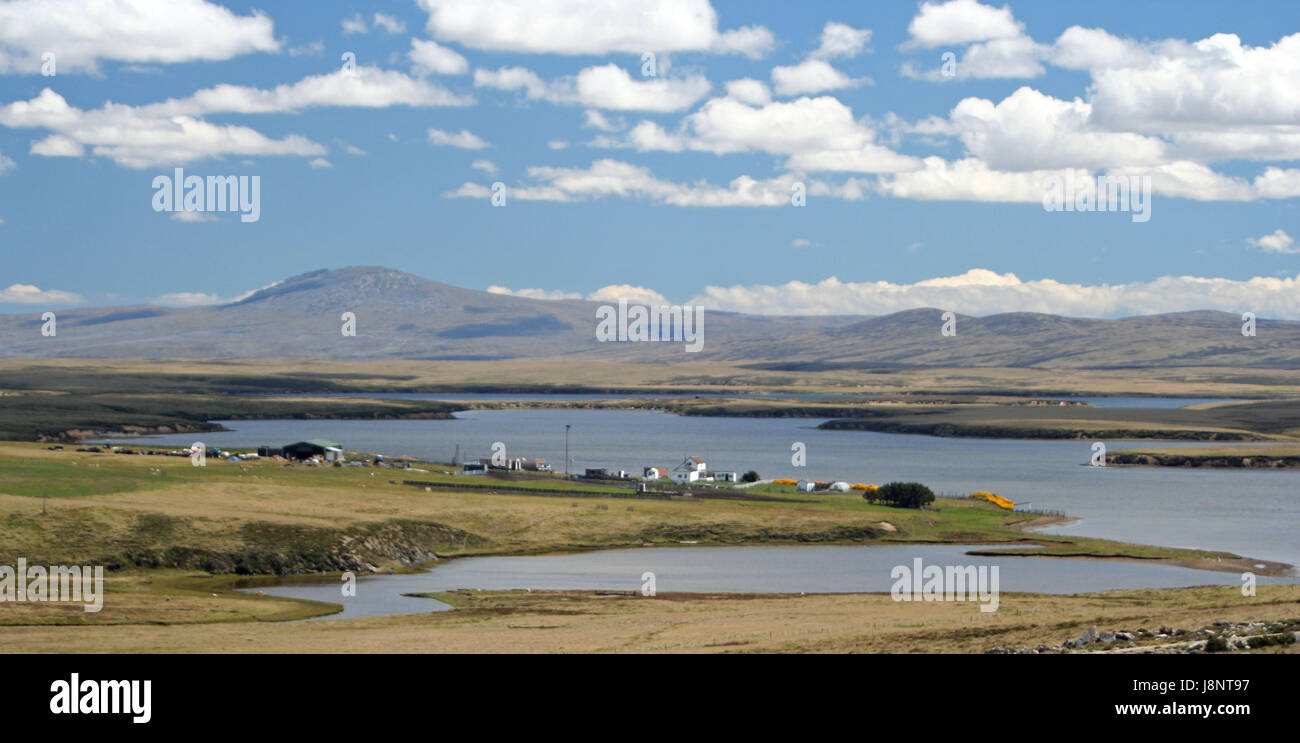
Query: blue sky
point(923, 176)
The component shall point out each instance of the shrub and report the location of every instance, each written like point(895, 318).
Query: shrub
point(901, 495)
point(750, 476)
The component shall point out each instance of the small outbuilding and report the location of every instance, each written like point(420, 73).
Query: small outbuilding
point(326, 450)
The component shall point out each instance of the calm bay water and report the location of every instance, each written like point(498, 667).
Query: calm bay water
point(814, 569)
point(1255, 513)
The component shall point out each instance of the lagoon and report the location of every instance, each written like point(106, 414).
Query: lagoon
point(764, 569)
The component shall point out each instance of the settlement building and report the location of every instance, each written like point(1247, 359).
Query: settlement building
point(691, 469)
point(326, 450)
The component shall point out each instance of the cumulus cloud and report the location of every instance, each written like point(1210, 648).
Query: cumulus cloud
point(7, 165)
point(611, 293)
point(170, 131)
point(29, 294)
point(983, 292)
point(83, 33)
point(430, 57)
point(841, 40)
point(961, 22)
point(1276, 242)
point(996, 43)
point(605, 87)
point(811, 76)
point(464, 139)
point(134, 139)
point(596, 27)
point(487, 166)
point(818, 134)
point(751, 91)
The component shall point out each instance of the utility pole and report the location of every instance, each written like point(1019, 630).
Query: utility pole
point(566, 449)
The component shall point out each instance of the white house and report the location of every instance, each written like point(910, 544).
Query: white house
point(654, 473)
point(690, 470)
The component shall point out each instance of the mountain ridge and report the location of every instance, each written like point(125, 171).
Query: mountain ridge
point(403, 316)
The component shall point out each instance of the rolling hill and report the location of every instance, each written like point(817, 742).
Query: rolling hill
point(402, 316)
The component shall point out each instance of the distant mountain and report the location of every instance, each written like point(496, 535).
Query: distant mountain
point(402, 316)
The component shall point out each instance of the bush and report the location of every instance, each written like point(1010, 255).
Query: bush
point(1216, 644)
point(901, 495)
point(750, 476)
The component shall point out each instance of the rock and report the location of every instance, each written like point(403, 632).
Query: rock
point(1196, 647)
point(1222, 623)
point(1106, 637)
point(1126, 636)
point(1090, 635)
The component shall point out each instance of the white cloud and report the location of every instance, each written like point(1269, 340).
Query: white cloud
point(557, 144)
point(361, 87)
point(320, 163)
point(193, 217)
point(961, 22)
point(614, 178)
point(29, 294)
point(593, 119)
point(350, 149)
point(608, 87)
point(83, 33)
point(389, 23)
point(1031, 131)
point(354, 25)
point(487, 166)
point(633, 294)
point(811, 76)
point(310, 50)
point(1212, 82)
point(754, 42)
point(841, 40)
point(431, 57)
point(1277, 242)
point(596, 27)
point(611, 293)
point(983, 292)
point(969, 179)
point(534, 293)
point(135, 139)
point(996, 44)
point(464, 139)
point(7, 165)
point(169, 132)
point(187, 299)
point(751, 91)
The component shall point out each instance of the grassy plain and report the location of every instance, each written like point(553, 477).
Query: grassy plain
point(552, 621)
